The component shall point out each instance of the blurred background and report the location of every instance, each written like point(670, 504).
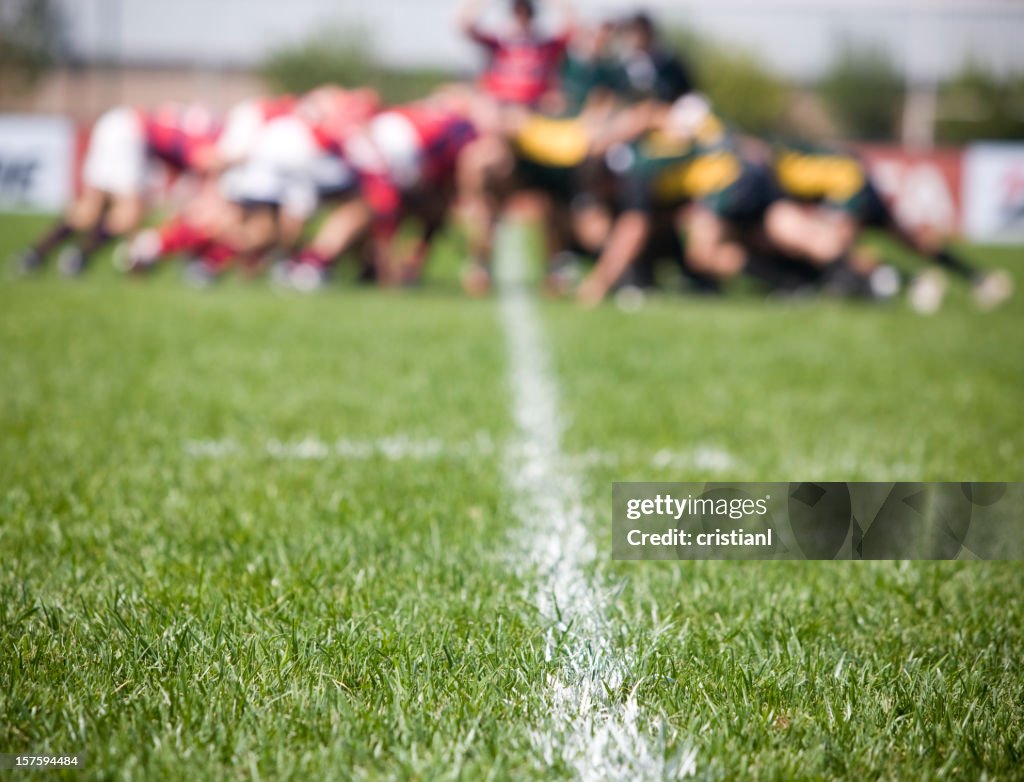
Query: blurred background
point(920, 74)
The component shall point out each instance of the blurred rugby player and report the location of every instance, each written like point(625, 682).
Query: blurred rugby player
point(124, 143)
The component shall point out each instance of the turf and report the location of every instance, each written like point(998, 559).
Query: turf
point(248, 535)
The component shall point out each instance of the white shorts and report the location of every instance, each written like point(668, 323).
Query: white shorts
point(115, 160)
point(331, 175)
point(325, 177)
point(241, 129)
point(252, 182)
point(390, 147)
point(286, 143)
point(286, 167)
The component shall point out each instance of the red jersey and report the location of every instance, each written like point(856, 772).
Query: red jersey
point(521, 68)
point(425, 155)
point(332, 114)
point(178, 134)
point(442, 135)
point(276, 106)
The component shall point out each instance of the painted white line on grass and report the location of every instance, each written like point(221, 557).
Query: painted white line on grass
point(210, 449)
point(592, 724)
point(394, 448)
point(405, 447)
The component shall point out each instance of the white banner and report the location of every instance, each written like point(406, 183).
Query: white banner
point(994, 192)
point(36, 162)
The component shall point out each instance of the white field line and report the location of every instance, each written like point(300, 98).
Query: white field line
point(397, 447)
point(666, 464)
point(591, 724)
point(404, 447)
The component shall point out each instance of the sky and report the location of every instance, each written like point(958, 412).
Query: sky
point(795, 37)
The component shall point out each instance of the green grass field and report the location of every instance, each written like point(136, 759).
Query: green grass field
point(255, 536)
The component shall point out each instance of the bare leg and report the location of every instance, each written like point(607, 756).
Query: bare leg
point(341, 229)
point(483, 175)
point(81, 217)
point(87, 210)
point(810, 234)
point(709, 248)
point(628, 237)
point(592, 225)
point(125, 215)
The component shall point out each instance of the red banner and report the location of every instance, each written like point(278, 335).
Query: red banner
point(922, 188)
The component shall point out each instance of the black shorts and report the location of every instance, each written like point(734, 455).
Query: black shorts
point(747, 199)
point(868, 207)
point(556, 181)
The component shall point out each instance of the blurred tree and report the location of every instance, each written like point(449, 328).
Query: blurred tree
point(976, 104)
point(742, 89)
point(344, 57)
point(864, 89)
point(745, 91)
point(29, 41)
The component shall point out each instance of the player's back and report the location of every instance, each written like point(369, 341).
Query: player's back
point(523, 67)
point(811, 172)
point(180, 133)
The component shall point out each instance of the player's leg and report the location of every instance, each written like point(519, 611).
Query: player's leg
point(341, 230)
point(483, 177)
point(593, 193)
point(711, 250)
point(643, 273)
point(206, 215)
point(628, 237)
point(989, 288)
point(233, 233)
point(666, 244)
point(588, 226)
point(122, 216)
point(824, 238)
point(547, 208)
point(113, 146)
point(152, 245)
point(115, 165)
point(591, 225)
point(431, 207)
point(83, 215)
point(816, 235)
point(324, 181)
point(257, 232)
point(721, 250)
point(242, 216)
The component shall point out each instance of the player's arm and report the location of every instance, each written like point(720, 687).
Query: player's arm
point(204, 159)
point(675, 81)
point(385, 202)
point(627, 125)
point(625, 243)
point(409, 267)
point(469, 23)
point(568, 17)
point(383, 245)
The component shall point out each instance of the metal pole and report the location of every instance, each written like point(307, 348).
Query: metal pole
point(921, 95)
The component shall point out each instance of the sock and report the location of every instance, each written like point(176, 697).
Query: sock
point(699, 282)
point(957, 266)
point(702, 283)
point(778, 273)
point(217, 255)
point(53, 238)
point(843, 279)
point(367, 268)
point(313, 258)
point(178, 236)
point(98, 237)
